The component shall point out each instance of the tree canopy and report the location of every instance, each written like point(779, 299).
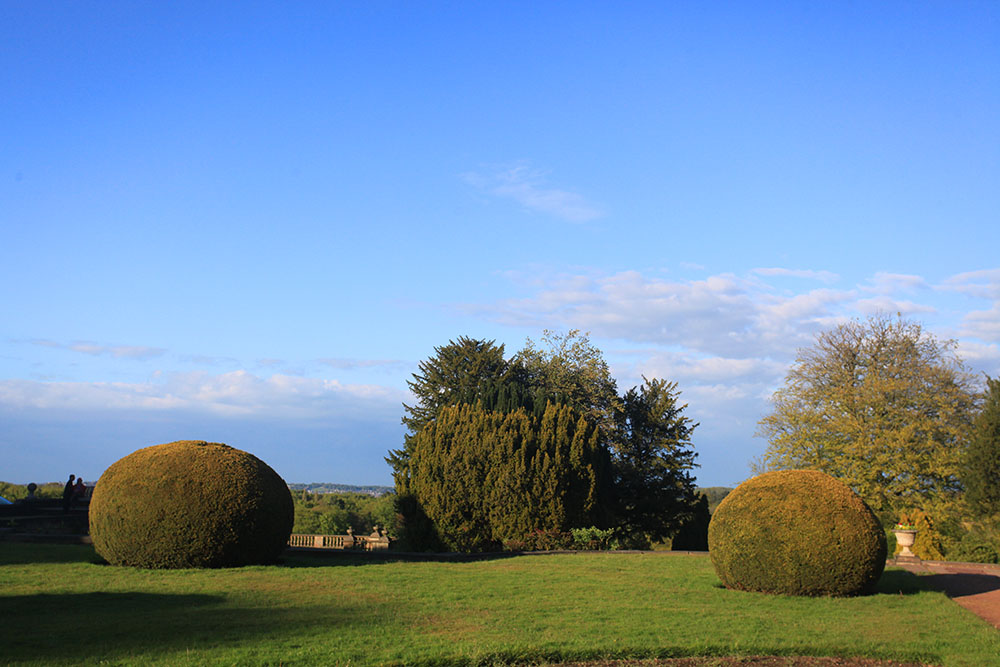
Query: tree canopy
point(882, 405)
point(572, 371)
point(498, 448)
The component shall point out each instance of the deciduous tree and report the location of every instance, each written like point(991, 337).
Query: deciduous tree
point(571, 370)
point(883, 406)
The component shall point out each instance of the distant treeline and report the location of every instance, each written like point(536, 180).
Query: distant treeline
point(327, 487)
point(17, 491)
point(333, 513)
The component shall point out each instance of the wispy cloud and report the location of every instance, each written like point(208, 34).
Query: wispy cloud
point(888, 283)
point(136, 352)
point(239, 394)
point(528, 187)
point(984, 284)
point(354, 364)
point(981, 324)
point(886, 304)
point(822, 276)
point(209, 360)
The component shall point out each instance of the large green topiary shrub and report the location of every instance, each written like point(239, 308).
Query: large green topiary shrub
point(190, 504)
point(796, 532)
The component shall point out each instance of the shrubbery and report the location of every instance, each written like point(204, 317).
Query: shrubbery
point(18, 491)
point(577, 539)
point(797, 532)
point(190, 504)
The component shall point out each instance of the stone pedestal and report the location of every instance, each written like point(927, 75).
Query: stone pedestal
point(905, 539)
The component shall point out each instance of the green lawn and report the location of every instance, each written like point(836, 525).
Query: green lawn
point(58, 606)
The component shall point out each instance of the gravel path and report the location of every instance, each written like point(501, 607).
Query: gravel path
point(976, 587)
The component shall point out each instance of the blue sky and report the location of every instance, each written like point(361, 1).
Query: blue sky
point(249, 222)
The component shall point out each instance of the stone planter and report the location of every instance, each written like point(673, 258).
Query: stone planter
point(905, 539)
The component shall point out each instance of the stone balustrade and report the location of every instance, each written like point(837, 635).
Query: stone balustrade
point(374, 542)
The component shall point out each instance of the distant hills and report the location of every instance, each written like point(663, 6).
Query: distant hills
point(327, 487)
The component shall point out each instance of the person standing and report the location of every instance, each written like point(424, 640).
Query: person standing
point(79, 490)
point(68, 494)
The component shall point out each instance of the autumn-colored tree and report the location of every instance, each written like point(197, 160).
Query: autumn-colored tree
point(880, 404)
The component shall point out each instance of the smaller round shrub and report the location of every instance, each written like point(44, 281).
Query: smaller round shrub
point(796, 532)
point(190, 504)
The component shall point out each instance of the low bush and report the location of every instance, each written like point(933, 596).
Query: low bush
point(190, 504)
point(797, 532)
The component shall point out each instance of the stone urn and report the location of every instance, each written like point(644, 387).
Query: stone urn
point(905, 539)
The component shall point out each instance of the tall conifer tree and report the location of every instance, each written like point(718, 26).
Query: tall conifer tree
point(653, 489)
point(982, 457)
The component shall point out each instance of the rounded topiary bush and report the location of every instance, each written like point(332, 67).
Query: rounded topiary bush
point(796, 532)
point(190, 504)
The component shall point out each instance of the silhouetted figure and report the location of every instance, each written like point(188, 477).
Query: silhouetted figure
point(68, 494)
point(79, 490)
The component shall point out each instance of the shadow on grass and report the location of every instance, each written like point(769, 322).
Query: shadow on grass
point(25, 553)
point(892, 582)
point(900, 582)
point(90, 627)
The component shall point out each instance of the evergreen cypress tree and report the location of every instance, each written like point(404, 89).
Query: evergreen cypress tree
point(485, 477)
point(982, 456)
point(459, 372)
point(496, 449)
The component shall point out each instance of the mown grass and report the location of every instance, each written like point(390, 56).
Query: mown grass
point(59, 606)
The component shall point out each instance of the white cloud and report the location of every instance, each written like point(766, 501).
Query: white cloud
point(980, 355)
point(983, 324)
point(984, 284)
point(887, 283)
point(688, 368)
point(722, 315)
point(237, 394)
point(886, 304)
point(527, 187)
